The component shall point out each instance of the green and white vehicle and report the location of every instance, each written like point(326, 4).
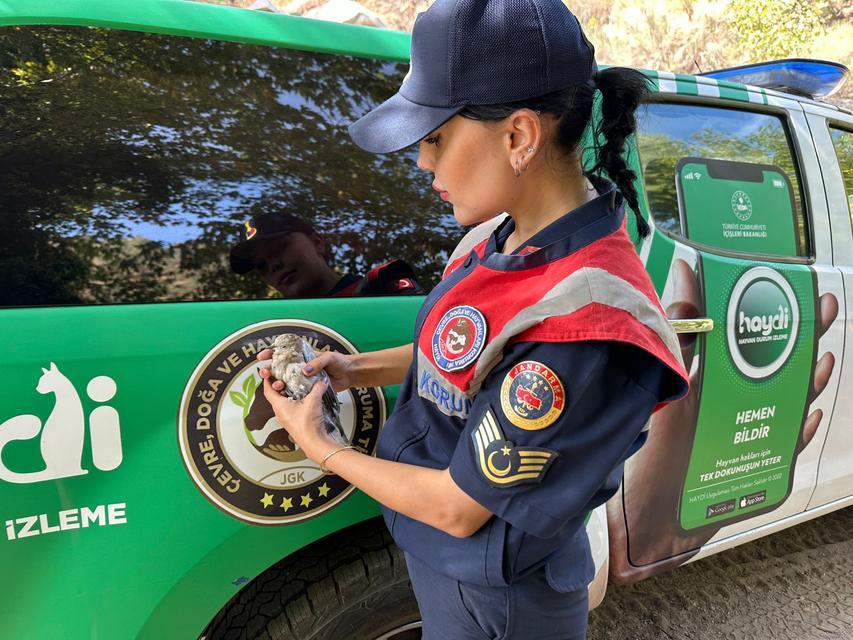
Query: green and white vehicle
point(138, 137)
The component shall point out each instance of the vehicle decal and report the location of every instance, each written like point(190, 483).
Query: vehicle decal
point(235, 451)
point(755, 385)
point(62, 434)
point(102, 515)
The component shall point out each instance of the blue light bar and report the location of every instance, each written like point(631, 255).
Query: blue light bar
point(810, 78)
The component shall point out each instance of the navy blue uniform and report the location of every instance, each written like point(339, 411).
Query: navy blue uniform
point(533, 399)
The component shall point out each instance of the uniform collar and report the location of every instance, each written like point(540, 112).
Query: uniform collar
point(346, 286)
point(573, 231)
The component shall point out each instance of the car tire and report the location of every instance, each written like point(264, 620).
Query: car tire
point(351, 586)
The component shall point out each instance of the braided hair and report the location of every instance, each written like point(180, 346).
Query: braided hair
point(622, 91)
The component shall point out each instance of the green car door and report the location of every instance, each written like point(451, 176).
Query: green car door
point(140, 142)
point(742, 248)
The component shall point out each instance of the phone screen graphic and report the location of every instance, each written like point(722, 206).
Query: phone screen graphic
point(756, 365)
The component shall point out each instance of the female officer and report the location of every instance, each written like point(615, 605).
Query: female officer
point(540, 356)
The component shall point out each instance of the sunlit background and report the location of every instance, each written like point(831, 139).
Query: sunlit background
point(131, 161)
point(684, 36)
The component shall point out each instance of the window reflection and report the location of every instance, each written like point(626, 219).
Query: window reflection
point(669, 133)
point(843, 141)
point(131, 161)
point(290, 256)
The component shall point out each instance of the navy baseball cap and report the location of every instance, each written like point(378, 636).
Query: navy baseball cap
point(478, 52)
point(259, 229)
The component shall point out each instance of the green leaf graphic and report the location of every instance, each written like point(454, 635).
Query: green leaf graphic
point(249, 386)
point(239, 399)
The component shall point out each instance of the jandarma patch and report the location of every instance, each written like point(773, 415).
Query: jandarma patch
point(501, 462)
point(532, 396)
point(459, 338)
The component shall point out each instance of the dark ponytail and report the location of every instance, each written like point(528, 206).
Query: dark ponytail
point(622, 91)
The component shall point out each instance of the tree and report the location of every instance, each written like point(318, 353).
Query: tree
point(112, 137)
point(769, 29)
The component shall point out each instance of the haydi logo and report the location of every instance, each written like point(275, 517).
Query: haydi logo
point(762, 322)
point(63, 433)
point(763, 325)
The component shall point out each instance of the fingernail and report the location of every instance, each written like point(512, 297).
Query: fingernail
point(308, 369)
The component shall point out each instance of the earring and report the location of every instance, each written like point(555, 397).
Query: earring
point(516, 167)
point(531, 149)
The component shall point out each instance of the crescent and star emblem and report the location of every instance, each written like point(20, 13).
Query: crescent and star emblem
point(492, 468)
point(501, 462)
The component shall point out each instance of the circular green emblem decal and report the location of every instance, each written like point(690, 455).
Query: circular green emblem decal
point(235, 451)
point(741, 205)
point(762, 322)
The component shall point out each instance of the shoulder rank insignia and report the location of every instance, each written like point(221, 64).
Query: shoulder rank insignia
point(502, 463)
point(532, 396)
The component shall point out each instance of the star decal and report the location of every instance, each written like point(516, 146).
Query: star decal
point(287, 504)
point(266, 500)
point(306, 500)
point(323, 490)
point(505, 450)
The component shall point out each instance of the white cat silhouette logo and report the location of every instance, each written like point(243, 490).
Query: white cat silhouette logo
point(64, 431)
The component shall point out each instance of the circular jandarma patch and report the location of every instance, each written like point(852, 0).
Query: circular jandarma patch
point(532, 396)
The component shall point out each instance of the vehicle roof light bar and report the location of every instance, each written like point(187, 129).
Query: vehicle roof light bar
point(809, 78)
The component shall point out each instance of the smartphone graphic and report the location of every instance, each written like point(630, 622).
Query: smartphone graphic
point(756, 366)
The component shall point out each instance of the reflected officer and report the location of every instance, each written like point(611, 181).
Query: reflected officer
point(292, 257)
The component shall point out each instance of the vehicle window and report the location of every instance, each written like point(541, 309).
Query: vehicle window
point(723, 178)
point(132, 164)
point(843, 141)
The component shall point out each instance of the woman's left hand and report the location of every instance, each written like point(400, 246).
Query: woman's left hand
point(302, 419)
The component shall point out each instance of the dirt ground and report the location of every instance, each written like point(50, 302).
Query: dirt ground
point(796, 584)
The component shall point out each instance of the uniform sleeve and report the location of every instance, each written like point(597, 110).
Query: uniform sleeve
point(551, 427)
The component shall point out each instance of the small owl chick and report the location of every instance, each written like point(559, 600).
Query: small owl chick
point(290, 353)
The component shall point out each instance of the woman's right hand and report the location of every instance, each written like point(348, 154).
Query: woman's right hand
point(338, 366)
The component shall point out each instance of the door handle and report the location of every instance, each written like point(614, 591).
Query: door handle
point(693, 325)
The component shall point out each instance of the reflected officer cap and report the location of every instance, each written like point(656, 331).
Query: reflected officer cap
point(478, 52)
point(263, 227)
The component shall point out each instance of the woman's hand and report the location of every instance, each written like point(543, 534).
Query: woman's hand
point(425, 494)
point(302, 419)
point(338, 366)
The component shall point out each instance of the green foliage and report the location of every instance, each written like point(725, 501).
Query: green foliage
point(843, 141)
point(130, 161)
point(768, 29)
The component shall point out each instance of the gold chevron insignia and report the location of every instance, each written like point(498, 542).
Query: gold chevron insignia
point(501, 462)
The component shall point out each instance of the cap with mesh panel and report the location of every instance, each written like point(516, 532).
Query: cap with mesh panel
point(478, 52)
point(259, 229)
